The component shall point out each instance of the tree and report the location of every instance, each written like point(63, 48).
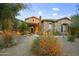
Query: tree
point(75, 21)
point(74, 26)
point(7, 14)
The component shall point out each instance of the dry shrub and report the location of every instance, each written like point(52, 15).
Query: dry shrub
point(46, 47)
point(8, 40)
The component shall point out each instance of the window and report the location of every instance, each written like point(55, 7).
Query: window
point(64, 28)
point(50, 26)
point(33, 20)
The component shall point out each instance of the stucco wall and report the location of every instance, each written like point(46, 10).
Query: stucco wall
point(32, 20)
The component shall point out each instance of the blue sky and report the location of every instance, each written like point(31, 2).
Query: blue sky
point(49, 10)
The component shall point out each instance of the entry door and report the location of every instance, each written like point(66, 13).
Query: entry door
point(32, 29)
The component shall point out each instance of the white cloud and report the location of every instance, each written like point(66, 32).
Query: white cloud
point(55, 14)
point(40, 13)
point(55, 9)
point(58, 16)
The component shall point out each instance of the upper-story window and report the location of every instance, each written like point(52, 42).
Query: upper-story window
point(33, 20)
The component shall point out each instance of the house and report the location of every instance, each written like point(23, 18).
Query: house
point(60, 25)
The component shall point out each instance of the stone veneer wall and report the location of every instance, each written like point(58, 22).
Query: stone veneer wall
point(46, 26)
point(59, 23)
point(56, 25)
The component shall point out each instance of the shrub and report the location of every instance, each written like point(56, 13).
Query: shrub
point(7, 40)
point(23, 28)
point(71, 38)
point(46, 47)
point(57, 33)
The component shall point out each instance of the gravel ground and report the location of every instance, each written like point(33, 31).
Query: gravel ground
point(23, 48)
point(69, 48)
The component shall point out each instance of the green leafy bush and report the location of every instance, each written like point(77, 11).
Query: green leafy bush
point(57, 33)
point(23, 28)
point(71, 38)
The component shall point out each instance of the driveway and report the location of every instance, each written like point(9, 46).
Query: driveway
point(69, 48)
point(23, 48)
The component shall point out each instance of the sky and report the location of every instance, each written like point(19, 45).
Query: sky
point(48, 10)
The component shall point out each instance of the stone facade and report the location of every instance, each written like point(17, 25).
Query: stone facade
point(60, 25)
